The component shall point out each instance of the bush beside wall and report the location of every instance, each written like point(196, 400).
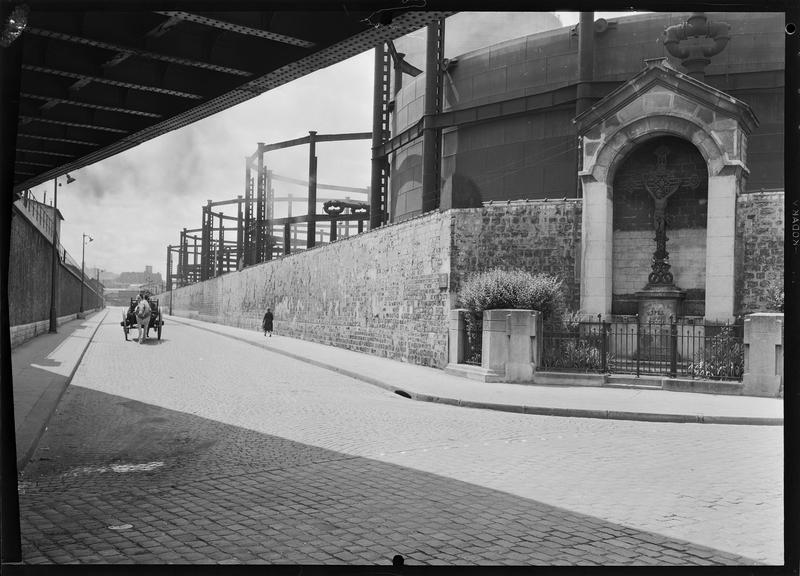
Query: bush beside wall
point(537, 236)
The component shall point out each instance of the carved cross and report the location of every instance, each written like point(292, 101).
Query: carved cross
point(661, 183)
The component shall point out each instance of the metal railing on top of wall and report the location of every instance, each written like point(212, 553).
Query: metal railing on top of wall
point(41, 216)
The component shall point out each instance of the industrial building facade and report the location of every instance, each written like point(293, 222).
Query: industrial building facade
point(640, 160)
point(562, 114)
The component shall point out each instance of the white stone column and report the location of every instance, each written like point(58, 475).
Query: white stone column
point(596, 248)
point(456, 343)
point(720, 239)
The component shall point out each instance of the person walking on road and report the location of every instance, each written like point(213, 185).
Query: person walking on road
point(266, 323)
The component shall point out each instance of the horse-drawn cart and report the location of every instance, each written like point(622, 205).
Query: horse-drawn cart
point(129, 318)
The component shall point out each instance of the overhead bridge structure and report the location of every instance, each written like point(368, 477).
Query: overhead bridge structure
point(82, 80)
point(86, 79)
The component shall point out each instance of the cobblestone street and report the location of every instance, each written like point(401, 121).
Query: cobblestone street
point(221, 451)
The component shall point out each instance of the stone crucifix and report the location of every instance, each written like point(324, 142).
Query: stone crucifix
point(661, 183)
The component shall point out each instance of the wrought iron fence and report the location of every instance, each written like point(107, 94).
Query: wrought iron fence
point(472, 339)
point(577, 346)
point(677, 348)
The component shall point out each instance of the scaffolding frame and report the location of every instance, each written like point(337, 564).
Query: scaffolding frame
point(226, 243)
point(260, 236)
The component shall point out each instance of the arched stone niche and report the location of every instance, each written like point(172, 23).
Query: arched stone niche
point(657, 102)
point(634, 215)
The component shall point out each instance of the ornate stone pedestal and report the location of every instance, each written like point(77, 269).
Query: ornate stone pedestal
point(659, 306)
point(658, 303)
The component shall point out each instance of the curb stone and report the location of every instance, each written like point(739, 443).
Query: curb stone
point(533, 410)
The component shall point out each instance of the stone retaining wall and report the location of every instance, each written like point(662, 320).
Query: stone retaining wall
point(29, 282)
point(388, 292)
point(760, 231)
point(537, 236)
point(383, 293)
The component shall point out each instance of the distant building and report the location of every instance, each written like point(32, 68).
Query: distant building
point(146, 277)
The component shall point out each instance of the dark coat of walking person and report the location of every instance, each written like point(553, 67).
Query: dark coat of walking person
point(266, 323)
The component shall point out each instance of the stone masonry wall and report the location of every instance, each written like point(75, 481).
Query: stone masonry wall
point(29, 282)
point(537, 236)
point(388, 292)
point(30, 269)
point(381, 293)
point(760, 227)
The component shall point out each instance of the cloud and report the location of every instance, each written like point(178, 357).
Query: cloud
point(137, 202)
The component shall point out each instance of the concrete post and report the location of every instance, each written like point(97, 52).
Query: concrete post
point(522, 345)
point(493, 341)
point(511, 347)
point(763, 354)
point(457, 344)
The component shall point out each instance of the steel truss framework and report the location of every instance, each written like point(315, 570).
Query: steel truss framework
point(225, 243)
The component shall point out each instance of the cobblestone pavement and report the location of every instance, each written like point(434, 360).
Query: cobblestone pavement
point(223, 452)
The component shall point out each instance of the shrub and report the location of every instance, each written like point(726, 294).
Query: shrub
point(577, 354)
point(724, 358)
point(570, 320)
point(775, 296)
point(514, 289)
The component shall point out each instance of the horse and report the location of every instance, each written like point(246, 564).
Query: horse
point(142, 313)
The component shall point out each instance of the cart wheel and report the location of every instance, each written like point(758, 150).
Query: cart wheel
point(160, 324)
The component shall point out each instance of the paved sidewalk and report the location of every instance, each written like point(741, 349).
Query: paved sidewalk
point(43, 367)
point(433, 385)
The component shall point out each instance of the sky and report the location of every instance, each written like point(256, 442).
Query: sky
point(171, 177)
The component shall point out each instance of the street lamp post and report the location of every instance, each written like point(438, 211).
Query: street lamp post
point(54, 273)
point(102, 293)
point(83, 276)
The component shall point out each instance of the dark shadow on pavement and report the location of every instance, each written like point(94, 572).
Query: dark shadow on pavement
point(120, 481)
